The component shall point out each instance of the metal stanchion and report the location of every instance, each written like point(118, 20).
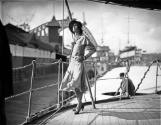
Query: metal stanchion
point(58, 105)
point(30, 91)
point(156, 78)
point(95, 77)
point(89, 88)
point(62, 79)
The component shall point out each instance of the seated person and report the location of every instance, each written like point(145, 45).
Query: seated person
point(127, 87)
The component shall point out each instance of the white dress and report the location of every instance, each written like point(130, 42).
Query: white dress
point(75, 76)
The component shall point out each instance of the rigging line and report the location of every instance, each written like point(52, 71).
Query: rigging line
point(69, 12)
point(13, 96)
point(144, 76)
point(63, 29)
point(47, 63)
point(62, 47)
point(22, 67)
point(47, 86)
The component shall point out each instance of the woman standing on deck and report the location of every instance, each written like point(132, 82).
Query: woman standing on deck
point(75, 76)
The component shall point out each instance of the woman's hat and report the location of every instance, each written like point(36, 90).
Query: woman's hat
point(72, 23)
point(122, 74)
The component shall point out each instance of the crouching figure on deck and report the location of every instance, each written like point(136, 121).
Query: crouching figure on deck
point(75, 77)
point(127, 87)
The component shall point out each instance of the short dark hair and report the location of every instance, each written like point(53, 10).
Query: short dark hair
point(122, 74)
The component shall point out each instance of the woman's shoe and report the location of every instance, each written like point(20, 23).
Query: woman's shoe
point(78, 110)
point(82, 107)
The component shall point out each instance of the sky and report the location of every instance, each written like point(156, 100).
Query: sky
point(107, 22)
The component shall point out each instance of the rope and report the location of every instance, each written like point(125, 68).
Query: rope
point(144, 76)
point(31, 64)
point(16, 95)
point(32, 89)
point(128, 68)
point(29, 91)
point(22, 67)
point(47, 86)
point(49, 63)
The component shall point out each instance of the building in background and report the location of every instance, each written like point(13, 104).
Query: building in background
point(49, 33)
point(26, 47)
point(148, 58)
point(132, 54)
point(43, 43)
point(104, 58)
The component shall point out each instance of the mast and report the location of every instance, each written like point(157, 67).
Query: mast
point(128, 32)
point(102, 40)
point(63, 30)
point(128, 28)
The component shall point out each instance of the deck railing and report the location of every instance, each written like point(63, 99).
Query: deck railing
point(34, 73)
point(28, 84)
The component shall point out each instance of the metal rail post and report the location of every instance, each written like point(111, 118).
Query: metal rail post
point(89, 88)
point(95, 77)
point(62, 79)
point(63, 51)
point(127, 71)
point(30, 91)
point(58, 105)
point(156, 78)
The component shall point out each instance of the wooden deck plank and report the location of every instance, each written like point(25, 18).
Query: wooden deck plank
point(122, 107)
point(91, 117)
point(132, 108)
point(153, 114)
point(106, 109)
point(68, 119)
point(99, 114)
point(58, 119)
point(84, 119)
point(135, 114)
point(144, 113)
point(116, 109)
point(76, 118)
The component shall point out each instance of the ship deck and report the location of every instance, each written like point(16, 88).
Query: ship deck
point(143, 109)
point(140, 110)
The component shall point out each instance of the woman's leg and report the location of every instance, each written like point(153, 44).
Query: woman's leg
point(79, 95)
